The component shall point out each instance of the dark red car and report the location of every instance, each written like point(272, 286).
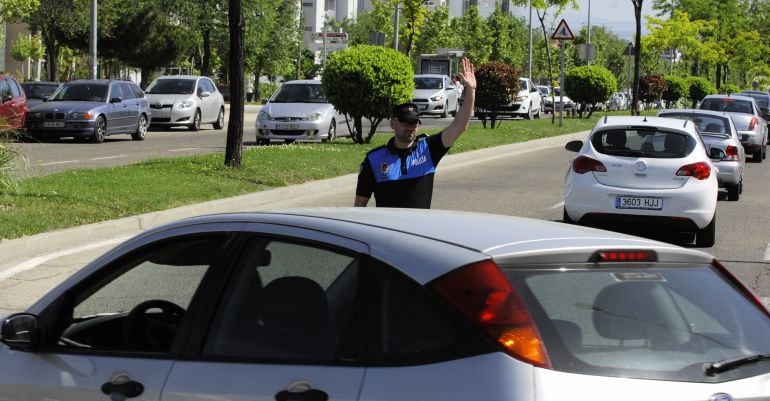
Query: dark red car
point(13, 103)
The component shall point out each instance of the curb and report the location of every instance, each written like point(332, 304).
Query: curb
point(20, 249)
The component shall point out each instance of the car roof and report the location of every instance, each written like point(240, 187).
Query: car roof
point(644, 121)
point(431, 75)
point(181, 77)
point(40, 83)
point(755, 93)
point(97, 81)
point(302, 81)
point(428, 243)
point(695, 111)
point(730, 96)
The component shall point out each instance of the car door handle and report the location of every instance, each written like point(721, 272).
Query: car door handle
point(123, 385)
point(306, 395)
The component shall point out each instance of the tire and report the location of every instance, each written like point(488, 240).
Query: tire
point(332, 132)
point(565, 217)
point(263, 142)
point(706, 237)
point(457, 107)
point(539, 112)
point(445, 113)
point(141, 129)
point(757, 155)
point(733, 192)
point(100, 130)
point(195, 125)
point(220, 122)
point(528, 116)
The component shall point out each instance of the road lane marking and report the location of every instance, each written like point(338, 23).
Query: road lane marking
point(183, 150)
point(39, 260)
point(557, 206)
point(61, 162)
point(109, 157)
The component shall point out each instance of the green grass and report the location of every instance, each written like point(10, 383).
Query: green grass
point(77, 197)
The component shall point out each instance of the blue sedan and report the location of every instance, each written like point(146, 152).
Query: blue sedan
point(92, 109)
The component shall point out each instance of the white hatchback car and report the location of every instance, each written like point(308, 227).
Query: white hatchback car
point(185, 100)
point(653, 172)
point(365, 304)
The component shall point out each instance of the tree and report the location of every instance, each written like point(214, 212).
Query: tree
point(509, 37)
point(698, 88)
point(589, 84)
point(26, 48)
point(435, 33)
point(473, 35)
point(651, 88)
point(16, 9)
point(413, 20)
point(378, 19)
point(637, 54)
point(234, 146)
point(367, 82)
point(497, 85)
point(676, 88)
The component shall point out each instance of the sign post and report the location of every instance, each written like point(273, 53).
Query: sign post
point(562, 34)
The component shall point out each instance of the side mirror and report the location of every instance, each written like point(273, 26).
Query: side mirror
point(716, 154)
point(21, 332)
point(533, 90)
point(205, 94)
point(574, 146)
point(116, 99)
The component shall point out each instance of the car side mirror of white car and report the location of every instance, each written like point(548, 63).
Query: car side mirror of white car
point(716, 154)
point(205, 94)
point(574, 146)
point(20, 332)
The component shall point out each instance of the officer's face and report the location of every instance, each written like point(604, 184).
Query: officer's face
point(404, 131)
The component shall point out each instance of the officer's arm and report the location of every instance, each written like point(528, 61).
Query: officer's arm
point(460, 122)
point(361, 201)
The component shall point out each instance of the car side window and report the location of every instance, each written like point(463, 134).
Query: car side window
point(208, 86)
point(14, 87)
point(289, 301)
point(116, 91)
point(5, 90)
point(138, 92)
point(140, 307)
point(128, 92)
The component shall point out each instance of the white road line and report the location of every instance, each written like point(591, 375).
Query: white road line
point(109, 157)
point(557, 206)
point(183, 150)
point(61, 162)
point(37, 261)
point(767, 252)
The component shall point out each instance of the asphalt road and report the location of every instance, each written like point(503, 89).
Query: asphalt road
point(523, 184)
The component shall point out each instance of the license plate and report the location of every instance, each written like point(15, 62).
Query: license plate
point(423, 107)
point(638, 202)
point(53, 124)
point(287, 126)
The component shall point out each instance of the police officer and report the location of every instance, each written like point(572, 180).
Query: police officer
point(400, 173)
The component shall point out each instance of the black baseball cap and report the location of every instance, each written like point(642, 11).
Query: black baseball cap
point(407, 113)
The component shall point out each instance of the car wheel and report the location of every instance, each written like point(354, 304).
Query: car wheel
point(263, 142)
point(706, 237)
point(539, 111)
point(764, 152)
point(196, 122)
point(332, 132)
point(528, 116)
point(100, 130)
point(220, 123)
point(445, 113)
point(565, 217)
point(457, 107)
point(733, 192)
point(288, 141)
point(141, 129)
point(757, 155)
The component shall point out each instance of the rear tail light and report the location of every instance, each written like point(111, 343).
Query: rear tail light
point(699, 171)
point(753, 123)
point(731, 153)
point(584, 164)
point(483, 294)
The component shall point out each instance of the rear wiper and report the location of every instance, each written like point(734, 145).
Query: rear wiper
point(712, 368)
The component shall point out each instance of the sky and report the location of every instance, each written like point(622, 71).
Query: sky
point(617, 15)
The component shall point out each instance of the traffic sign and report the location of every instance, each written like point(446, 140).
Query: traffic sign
point(563, 32)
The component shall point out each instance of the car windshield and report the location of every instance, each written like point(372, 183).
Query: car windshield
point(39, 91)
point(300, 93)
point(172, 86)
point(428, 83)
point(643, 143)
point(86, 92)
point(728, 105)
point(706, 124)
point(660, 322)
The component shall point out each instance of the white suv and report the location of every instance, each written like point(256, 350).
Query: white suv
point(528, 102)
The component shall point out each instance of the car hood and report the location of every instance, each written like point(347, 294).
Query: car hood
point(427, 93)
point(296, 109)
point(170, 98)
point(67, 106)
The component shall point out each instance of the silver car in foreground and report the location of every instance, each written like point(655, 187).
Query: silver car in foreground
point(390, 304)
point(747, 116)
point(718, 132)
point(186, 100)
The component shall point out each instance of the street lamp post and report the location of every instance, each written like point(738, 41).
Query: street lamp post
point(92, 45)
point(529, 59)
point(629, 53)
point(588, 40)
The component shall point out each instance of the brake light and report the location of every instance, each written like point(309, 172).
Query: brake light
point(584, 164)
point(753, 123)
point(481, 292)
point(699, 171)
point(624, 256)
point(731, 153)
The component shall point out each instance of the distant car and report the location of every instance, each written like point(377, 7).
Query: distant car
point(297, 111)
point(718, 131)
point(559, 99)
point(186, 100)
point(435, 94)
point(390, 304)
point(528, 103)
point(92, 109)
point(618, 101)
point(748, 119)
point(649, 172)
point(39, 92)
point(763, 101)
point(13, 103)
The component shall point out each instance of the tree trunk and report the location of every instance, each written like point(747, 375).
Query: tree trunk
point(206, 60)
point(548, 56)
point(234, 147)
point(637, 51)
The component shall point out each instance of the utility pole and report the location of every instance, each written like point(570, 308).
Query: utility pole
point(395, 28)
point(92, 45)
point(529, 59)
point(588, 41)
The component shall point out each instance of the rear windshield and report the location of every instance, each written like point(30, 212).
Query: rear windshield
point(705, 123)
point(728, 105)
point(643, 143)
point(651, 322)
point(761, 99)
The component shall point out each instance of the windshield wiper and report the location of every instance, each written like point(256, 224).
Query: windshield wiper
point(712, 368)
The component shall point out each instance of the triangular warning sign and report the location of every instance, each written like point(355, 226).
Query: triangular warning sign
point(562, 32)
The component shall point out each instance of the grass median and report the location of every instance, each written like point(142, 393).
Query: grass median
point(85, 196)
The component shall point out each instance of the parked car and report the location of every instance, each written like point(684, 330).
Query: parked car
point(618, 101)
point(186, 100)
point(13, 103)
point(646, 171)
point(763, 101)
point(378, 304)
point(39, 92)
point(544, 90)
point(559, 98)
point(528, 104)
point(718, 131)
point(747, 117)
point(92, 109)
point(435, 94)
point(297, 111)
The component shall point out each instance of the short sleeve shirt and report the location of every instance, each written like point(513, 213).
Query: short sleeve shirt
point(401, 177)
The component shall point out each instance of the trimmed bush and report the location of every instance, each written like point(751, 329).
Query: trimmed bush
point(727, 89)
point(676, 88)
point(651, 88)
point(698, 88)
point(589, 85)
point(497, 84)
